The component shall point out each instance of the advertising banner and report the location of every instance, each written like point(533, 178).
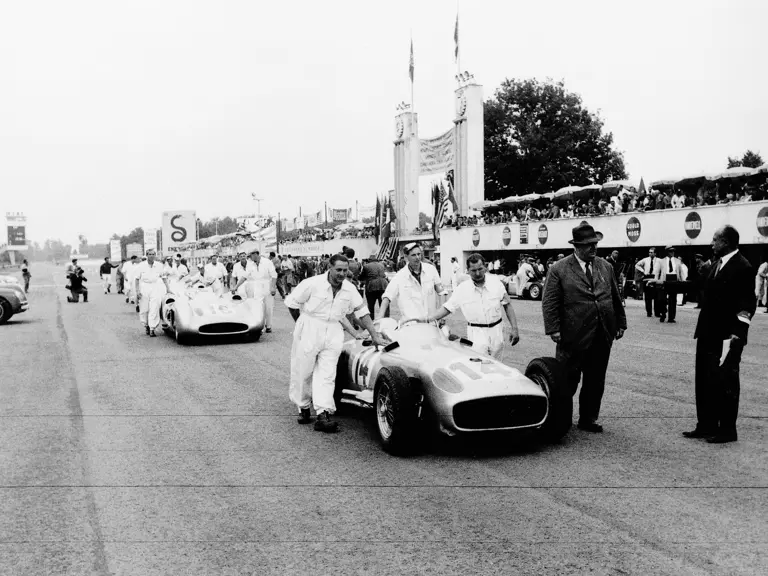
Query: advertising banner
point(339, 216)
point(115, 250)
point(179, 227)
point(312, 220)
point(150, 239)
point(133, 249)
point(436, 154)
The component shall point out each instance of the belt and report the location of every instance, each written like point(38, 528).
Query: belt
point(491, 325)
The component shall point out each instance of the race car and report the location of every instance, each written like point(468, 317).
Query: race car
point(532, 289)
point(425, 377)
point(198, 311)
point(13, 300)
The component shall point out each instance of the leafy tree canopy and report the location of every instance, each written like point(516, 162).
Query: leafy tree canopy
point(539, 137)
point(749, 160)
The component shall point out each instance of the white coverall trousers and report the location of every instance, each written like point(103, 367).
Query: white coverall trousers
point(106, 281)
point(260, 289)
point(314, 356)
point(488, 341)
point(149, 306)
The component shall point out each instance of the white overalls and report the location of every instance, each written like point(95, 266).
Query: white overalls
point(152, 289)
point(483, 305)
point(317, 339)
point(415, 298)
point(262, 275)
point(216, 272)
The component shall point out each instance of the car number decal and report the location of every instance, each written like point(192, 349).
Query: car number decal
point(466, 370)
point(361, 375)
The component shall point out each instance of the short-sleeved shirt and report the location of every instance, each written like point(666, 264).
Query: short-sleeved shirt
point(479, 304)
point(415, 298)
point(217, 270)
point(314, 297)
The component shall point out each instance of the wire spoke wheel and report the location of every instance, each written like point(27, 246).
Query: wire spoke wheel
point(384, 413)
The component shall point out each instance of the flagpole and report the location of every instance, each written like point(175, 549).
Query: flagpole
point(458, 51)
point(413, 75)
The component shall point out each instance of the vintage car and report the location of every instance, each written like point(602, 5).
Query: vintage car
point(427, 378)
point(531, 290)
point(13, 300)
point(197, 311)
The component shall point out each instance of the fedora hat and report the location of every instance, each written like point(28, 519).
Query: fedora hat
point(585, 234)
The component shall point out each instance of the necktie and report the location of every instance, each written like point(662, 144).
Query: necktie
point(651, 270)
point(719, 265)
point(671, 270)
point(588, 268)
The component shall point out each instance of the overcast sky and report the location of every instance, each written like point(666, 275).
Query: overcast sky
point(112, 112)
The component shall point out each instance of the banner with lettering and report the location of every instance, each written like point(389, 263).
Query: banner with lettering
point(339, 216)
point(436, 154)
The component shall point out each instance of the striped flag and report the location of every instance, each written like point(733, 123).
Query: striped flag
point(410, 64)
point(456, 39)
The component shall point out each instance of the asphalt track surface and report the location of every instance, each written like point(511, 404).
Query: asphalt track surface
point(121, 454)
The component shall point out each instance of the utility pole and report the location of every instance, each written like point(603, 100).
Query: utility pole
point(258, 205)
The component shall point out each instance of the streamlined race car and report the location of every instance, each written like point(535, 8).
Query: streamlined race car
point(197, 311)
point(13, 300)
point(424, 377)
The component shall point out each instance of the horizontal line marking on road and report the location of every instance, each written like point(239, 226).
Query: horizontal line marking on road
point(370, 486)
point(448, 541)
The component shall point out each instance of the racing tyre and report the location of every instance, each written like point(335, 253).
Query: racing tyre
point(550, 376)
point(534, 292)
point(181, 338)
point(394, 402)
point(254, 336)
point(5, 311)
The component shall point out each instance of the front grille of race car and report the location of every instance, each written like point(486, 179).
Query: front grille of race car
point(224, 328)
point(500, 412)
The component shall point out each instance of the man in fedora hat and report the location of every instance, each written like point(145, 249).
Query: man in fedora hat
point(583, 315)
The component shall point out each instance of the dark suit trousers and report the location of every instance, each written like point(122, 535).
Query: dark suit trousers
point(649, 293)
point(717, 387)
point(667, 303)
point(589, 366)
point(372, 297)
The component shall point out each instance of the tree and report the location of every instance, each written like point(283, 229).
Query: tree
point(424, 220)
point(539, 137)
point(749, 160)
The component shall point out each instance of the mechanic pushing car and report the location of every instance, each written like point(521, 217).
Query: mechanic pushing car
point(319, 305)
point(414, 287)
point(150, 287)
point(484, 303)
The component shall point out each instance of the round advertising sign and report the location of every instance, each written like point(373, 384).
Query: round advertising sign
point(633, 229)
point(543, 234)
point(692, 225)
point(762, 221)
point(476, 237)
point(506, 235)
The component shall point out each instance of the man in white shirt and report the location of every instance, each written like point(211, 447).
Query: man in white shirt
point(149, 284)
point(319, 305)
point(241, 273)
point(484, 303)
point(668, 272)
point(415, 287)
point(647, 268)
point(525, 273)
point(259, 278)
point(676, 201)
point(455, 269)
point(127, 269)
point(217, 272)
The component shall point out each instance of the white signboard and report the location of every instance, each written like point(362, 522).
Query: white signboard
point(115, 250)
point(150, 239)
point(179, 227)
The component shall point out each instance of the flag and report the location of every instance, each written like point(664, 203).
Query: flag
point(377, 219)
point(456, 39)
point(451, 197)
point(410, 64)
point(641, 189)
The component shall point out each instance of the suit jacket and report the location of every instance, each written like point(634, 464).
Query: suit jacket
point(574, 309)
point(727, 296)
point(662, 269)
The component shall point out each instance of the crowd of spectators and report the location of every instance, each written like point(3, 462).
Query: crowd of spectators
point(320, 235)
point(620, 202)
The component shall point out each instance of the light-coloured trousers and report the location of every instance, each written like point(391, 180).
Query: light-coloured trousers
point(314, 356)
point(488, 341)
point(149, 305)
point(261, 289)
point(106, 281)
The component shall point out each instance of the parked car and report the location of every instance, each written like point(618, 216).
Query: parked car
point(13, 300)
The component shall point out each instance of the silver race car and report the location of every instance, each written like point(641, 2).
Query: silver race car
point(198, 311)
point(424, 377)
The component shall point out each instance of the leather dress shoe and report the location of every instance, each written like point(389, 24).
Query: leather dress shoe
point(325, 424)
point(698, 433)
point(589, 427)
point(721, 438)
point(305, 416)
point(671, 321)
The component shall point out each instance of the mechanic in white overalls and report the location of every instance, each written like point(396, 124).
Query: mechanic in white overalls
point(484, 303)
point(175, 271)
point(242, 272)
point(415, 287)
point(217, 272)
point(264, 278)
point(128, 269)
point(150, 286)
point(318, 305)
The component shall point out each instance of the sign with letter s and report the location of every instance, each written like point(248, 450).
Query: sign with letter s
point(179, 227)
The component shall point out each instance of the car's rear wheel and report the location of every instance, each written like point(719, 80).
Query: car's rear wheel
point(534, 292)
point(394, 402)
point(548, 373)
point(5, 311)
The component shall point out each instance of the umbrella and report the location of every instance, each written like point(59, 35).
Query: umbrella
point(692, 179)
point(664, 182)
point(617, 184)
point(566, 190)
point(763, 168)
point(484, 204)
point(735, 172)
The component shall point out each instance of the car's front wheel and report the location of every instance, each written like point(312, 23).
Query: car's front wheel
point(550, 376)
point(5, 311)
point(181, 337)
point(534, 292)
point(394, 401)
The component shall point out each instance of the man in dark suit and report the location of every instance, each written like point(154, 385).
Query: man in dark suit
point(726, 312)
point(583, 314)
